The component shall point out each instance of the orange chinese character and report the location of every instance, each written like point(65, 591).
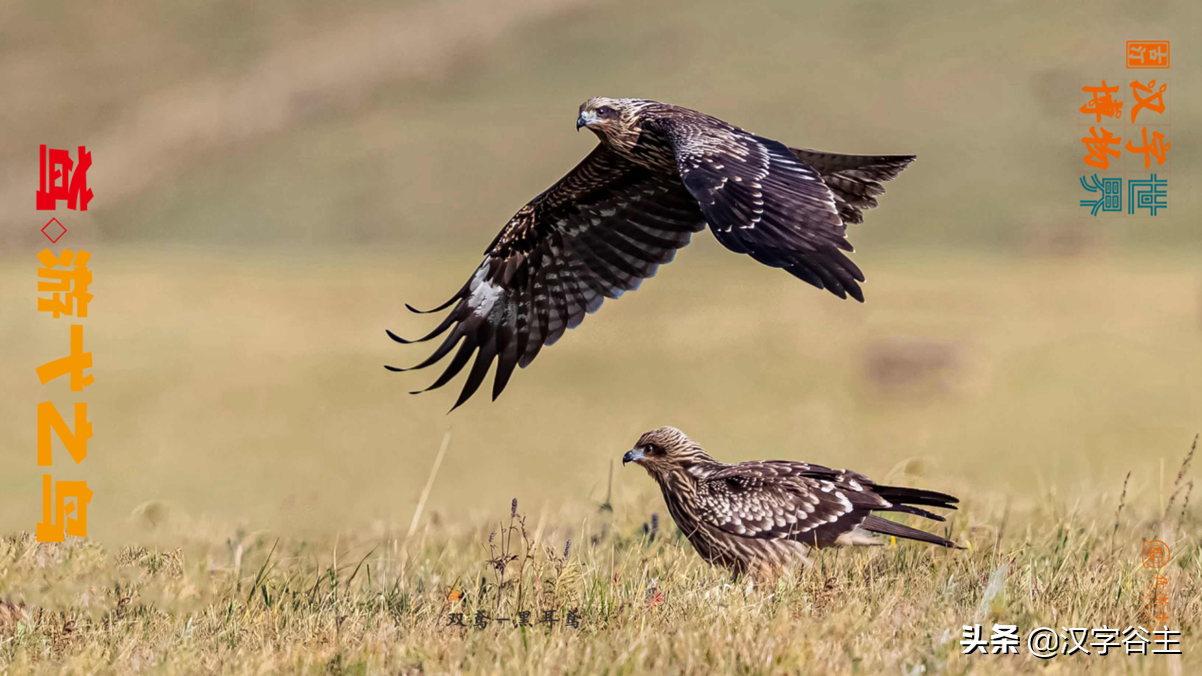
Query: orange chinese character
point(1155, 102)
point(1155, 615)
point(1099, 148)
point(1104, 104)
point(1157, 601)
point(1156, 607)
point(1161, 612)
point(1157, 149)
point(1156, 554)
point(74, 282)
point(51, 527)
point(1147, 53)
point(73, 364)
point(50, 420)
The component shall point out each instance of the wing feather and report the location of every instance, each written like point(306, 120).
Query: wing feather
point(773, 501)
point(484, 357)
point(597, 233)
point(812, 504)
point(507, 351)
point(762, 199)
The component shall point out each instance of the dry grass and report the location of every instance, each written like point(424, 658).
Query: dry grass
point(253, 604)
point(249, 440)
point(256, 471)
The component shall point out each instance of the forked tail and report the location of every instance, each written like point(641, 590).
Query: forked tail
point(905, 500)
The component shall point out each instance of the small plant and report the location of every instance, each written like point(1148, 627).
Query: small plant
point(503, 551)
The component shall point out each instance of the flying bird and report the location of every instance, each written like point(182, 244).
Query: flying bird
point(659, 174)
point(760, 518)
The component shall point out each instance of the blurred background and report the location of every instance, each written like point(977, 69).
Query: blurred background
point(274, 180)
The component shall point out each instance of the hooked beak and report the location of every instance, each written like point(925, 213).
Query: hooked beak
point(633, 455)
point(585, 119)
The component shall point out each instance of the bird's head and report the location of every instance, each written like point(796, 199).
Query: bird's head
point(665, 450)
point(616, 121)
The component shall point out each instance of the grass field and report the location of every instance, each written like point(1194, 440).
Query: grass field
point(355, 605)
point(252, 413)
point(273, 180)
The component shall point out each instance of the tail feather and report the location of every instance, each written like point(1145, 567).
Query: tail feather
point(855, 180)
point(876, 524)
point(875, 167)
point(903, 500)
point(915, 511)
point(900, 495)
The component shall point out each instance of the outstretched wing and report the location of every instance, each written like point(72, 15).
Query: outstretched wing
point(603, 228)
point(777, 500)
point(760, 199)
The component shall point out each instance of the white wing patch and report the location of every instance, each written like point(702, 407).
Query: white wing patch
point(484, 293)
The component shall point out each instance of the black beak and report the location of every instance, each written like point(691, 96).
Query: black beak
point(633, 455)
point(580, 122)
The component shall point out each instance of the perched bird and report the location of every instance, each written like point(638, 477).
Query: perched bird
point(760, 518)
point(660, 173)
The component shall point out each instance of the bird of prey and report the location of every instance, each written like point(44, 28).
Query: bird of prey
point(760, 518)
point(659, 174)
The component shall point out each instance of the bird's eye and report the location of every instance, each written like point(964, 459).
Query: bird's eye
point(650, 449)
point(605, 111)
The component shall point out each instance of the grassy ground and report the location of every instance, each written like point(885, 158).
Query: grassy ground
point(240, 405)
point(383, 603)
point(272, 182)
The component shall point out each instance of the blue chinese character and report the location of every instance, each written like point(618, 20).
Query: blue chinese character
point(1111, 190)
point(1151, 194)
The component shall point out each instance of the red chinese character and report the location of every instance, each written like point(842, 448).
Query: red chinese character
point(57, 181)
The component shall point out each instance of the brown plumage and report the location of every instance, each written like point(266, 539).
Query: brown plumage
point(760, 518)
point(660, 174)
